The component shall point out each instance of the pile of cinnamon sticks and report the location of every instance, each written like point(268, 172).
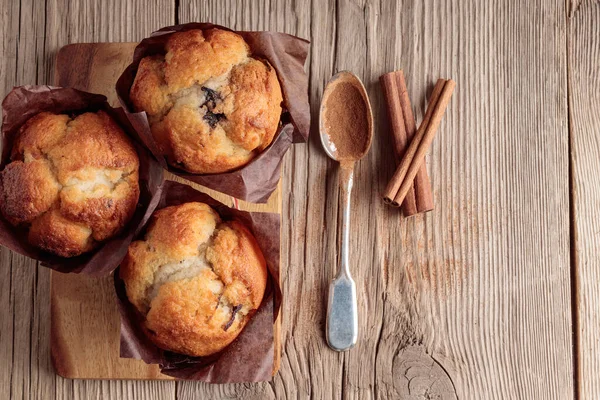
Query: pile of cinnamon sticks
point(410, 185)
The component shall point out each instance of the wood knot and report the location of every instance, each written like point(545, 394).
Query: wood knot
point(419, 376)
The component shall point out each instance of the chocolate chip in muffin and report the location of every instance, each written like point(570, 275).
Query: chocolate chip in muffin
point(212, 96)
point(213, 119)
point(218, 301)
point(233, 313)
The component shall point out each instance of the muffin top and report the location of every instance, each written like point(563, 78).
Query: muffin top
point(72, 181)
point(196, 279)
point(212, 107)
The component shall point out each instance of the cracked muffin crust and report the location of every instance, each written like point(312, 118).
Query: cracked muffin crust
point(212, 107)
point(196, 279)
point(72, 181)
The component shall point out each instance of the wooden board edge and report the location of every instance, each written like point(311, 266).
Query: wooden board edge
point(59, 363)
point(277, 325)
point(66, 367)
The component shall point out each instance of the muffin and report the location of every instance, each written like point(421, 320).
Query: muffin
point(72, 181)
point(196, 279)
point(211, 105)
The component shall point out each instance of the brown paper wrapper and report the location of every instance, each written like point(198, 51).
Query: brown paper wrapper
point(250, 357)
point(23, 103)
point(258, 179)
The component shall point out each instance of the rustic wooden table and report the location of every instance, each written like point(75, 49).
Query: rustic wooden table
point(492, 295)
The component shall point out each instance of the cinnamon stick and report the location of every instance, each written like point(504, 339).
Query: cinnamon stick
point(401, 182)
point(419, 198)
point(421, 184)
point(394, 184)
point(391, 93)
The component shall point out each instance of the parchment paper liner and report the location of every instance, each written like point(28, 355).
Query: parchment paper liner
point(258, 179)
point(250, 357)
point(23, 103)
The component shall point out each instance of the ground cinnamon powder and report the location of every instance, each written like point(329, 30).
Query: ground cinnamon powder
point(346, 121)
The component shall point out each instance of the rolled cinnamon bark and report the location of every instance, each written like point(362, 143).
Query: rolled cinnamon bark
point(419, 198)
point(401, 182)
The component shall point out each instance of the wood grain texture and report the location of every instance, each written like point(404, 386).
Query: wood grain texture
point(24, 317)
point(86, 331)
point(584, 111)
point(487, 272)
point(476, 283)
point(32, 33)
point(472, 300)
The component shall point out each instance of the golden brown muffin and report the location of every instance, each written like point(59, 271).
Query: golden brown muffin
point(212, 107)
point(72, 181)
point(196, 279)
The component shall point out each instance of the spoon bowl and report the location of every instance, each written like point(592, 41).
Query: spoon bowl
point(341, 78)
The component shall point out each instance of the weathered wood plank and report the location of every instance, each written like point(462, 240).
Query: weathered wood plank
point(32, 33)
point(584, 112)
point(100, 390)
point(357, 50)
point(484, 279)
point(24, 325)
point(313, 369)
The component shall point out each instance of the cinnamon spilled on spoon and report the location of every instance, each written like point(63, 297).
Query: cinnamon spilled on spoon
point(347, 122)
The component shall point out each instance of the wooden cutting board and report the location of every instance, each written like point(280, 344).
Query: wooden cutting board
point(85, 321)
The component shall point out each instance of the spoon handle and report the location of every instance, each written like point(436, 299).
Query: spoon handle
point(342, 313)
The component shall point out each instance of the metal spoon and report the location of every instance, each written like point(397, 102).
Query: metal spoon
point(342, 314)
